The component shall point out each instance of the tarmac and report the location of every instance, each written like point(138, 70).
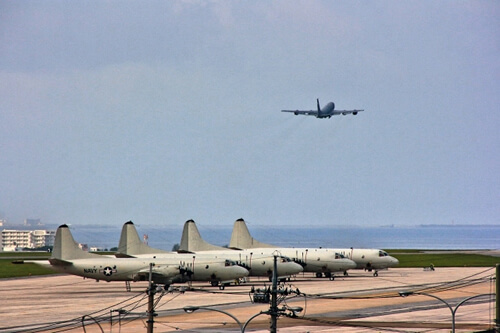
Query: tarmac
point(359, 302)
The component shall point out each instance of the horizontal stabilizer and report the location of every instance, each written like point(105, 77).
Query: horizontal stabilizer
point(59, 262)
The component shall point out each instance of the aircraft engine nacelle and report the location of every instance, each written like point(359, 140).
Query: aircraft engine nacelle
point(167, 270)
point(354, 113)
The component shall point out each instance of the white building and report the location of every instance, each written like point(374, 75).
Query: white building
point(14, 240)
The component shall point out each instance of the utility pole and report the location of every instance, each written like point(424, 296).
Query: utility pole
point(274, 298)
point(497, 284)
point(151, 299)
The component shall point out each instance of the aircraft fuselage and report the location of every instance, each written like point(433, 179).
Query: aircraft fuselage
point(369, 258)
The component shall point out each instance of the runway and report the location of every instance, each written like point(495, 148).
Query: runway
point(356, 303)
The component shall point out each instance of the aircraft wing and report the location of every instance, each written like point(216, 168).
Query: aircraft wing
point(123, 255)
point(344, 112)
point(304, 112)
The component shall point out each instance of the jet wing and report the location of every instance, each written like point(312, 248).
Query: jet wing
point(123, 255)
point(305, 112)
point(163, 270)
point(344, 112)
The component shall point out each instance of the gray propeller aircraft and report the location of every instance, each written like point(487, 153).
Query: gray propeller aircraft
point(68, 258)
point(319, 261)
point(367, 259)
point(326, 112)
point(257, 263)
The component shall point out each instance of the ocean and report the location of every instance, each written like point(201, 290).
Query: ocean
point(439, 237)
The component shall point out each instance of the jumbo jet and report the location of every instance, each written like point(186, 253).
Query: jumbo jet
point(367, 259)
point(319, 261)
point(326, 112)
point(68, 258)
point(257, 263)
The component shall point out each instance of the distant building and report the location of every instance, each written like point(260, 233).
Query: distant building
point(32, 223)
point(15, 240)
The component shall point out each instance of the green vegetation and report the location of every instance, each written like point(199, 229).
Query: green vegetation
point(37, 255)
point(416, 258)
point(9, 270)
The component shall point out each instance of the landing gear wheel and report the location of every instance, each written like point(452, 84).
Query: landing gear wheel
point(222, 287)
point(332, 277)
point(345, 273)
point(319, 274)
point(375, 274)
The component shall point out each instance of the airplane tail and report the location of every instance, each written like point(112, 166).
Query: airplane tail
point(241, 238)
point(191, 240)
point(130, 243)
point(319, 108)
point(65, 247)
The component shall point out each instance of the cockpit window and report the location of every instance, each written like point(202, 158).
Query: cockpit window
point(339, 256)
point(229, 263)
point(382, 254)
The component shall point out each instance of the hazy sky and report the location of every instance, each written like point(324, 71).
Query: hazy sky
point(164, 111)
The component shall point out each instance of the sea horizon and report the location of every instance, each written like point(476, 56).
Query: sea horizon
point(435, 237)
point(423, 236)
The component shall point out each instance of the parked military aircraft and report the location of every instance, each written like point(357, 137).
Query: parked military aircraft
point(67, 257)
point(326, 112)
point(367, 259)
point(257, 263)
point(319, 261)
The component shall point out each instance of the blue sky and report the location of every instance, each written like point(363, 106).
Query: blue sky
point(164, 111)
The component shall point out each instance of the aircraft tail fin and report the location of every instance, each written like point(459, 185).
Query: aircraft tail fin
point(65, 247)
point(130, 243)
point(241, 238)
point(319, 108)
point(191, 240)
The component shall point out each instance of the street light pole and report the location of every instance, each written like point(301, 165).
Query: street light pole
point(274, 298)
point(273, 311)
point(83, 323)
point(191, 309)
point(497, 284)
point(251, 318)
point(453, 310)
point(151, 298)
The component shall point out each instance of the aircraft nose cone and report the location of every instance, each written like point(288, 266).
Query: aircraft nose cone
point(295, 268)
point(298, 268)
point(351, 264)
point(243, 271)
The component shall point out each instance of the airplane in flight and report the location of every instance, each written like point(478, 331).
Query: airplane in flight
point(68, 258)
point(316, 260)
point(326, 112)
point(367, 259)
point(258, 264)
